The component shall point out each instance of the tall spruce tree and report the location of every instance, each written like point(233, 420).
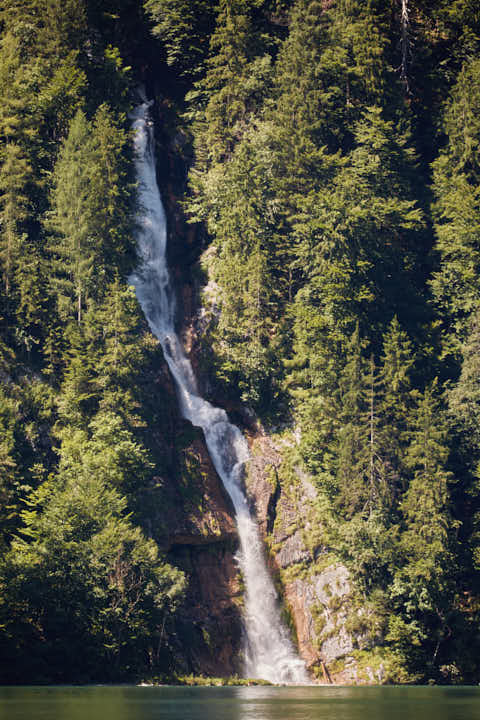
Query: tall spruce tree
point(78, 269)
point(423, 590)
point(457, 208)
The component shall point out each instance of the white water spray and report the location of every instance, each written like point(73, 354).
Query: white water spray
point(269, 653)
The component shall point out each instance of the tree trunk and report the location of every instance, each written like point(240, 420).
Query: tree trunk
point(404, 43)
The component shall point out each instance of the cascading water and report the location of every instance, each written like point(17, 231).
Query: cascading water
point(269, 653)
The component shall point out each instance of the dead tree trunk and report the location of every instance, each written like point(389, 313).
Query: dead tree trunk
point(404, 43)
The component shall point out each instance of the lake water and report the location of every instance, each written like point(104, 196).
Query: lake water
point(243, 703)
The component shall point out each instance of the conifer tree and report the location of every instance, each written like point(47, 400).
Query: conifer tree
point(79, 397)
point(115, 340)
point(423, 589)
point(363, 473)
point(75, 250)
point(184, 28)
point(457, 210)
point(356, 489)
point(111, 190)
point(425, 504)
point(397, 400)
point(9, 476)
point(465, 396)
point(14, 206)
point(92, 210)
point(225, 83)
point(464, 407)
point(242, 268)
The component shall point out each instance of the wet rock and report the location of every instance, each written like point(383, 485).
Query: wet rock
point(210, 630)
point(262, 484)
point(320, 607)
point(319, 601)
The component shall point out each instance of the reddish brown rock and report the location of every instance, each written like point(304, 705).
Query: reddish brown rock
point(316, 593)
point(262, 481)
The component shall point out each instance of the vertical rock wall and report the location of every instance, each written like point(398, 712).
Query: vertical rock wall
point(316, 588)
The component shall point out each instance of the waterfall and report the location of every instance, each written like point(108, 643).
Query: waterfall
point(269, 653)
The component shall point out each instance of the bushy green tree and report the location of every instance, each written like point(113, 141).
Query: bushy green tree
point(9, 482)
point(184, 28)
point(91, 215)
point(87, 593)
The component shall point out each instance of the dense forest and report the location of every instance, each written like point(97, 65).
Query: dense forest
point(330, 151)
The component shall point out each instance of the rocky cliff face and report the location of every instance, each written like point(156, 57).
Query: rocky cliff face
point(330, 624)
point(190, 515)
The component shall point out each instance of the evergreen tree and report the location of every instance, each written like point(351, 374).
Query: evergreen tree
point(354, 476)
point(91, 212)
point(9, 476)
point(115, 339)
point(465, 396)
point(76, 253)
point(425, 504)
point(397, 400)
point(111, 189)
point(14, 202)
point(362, 470)
point(457, 209)
point(95, 586)
point(226, 98)
point(184, 27)
point(423, 590)
point(464, 407)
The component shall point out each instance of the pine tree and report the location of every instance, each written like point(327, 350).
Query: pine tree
point(116, 339)
point(423, 590)
point(14, 203)
point(464, 407)
point(75, 250)
point(9, 475)
point(362, 471)
point(79, 397)
point(425, 504)
point(92, 212)
point(230, 94)
point(465, 396)
point(184, 27)
point(397, 364)
point(457, 209)
point(111, 190)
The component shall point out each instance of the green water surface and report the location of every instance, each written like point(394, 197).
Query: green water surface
point(243, 703)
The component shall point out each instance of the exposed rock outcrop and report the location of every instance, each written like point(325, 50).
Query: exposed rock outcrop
point(188, 512)
point(195, 523)
point(210, 630)
point(199, 531)
point(315, 586)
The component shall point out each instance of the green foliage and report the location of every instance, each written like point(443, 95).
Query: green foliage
point(311, 129)
point(84, 594)
point(94, 585)
point(8, 466)
point(184, 28)
point(91, 212)
point(457, 208)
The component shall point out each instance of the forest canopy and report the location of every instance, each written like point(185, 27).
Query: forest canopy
point(330, 160)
